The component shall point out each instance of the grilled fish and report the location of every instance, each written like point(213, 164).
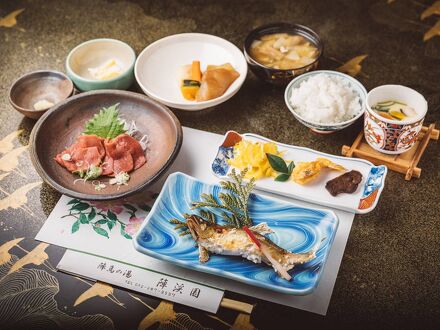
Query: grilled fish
point(213, 238)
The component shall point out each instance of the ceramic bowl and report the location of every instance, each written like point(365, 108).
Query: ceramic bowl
point(52, 86)
point(278, 76)
point(393, 136)
point(330, 127)
point(94, 53)
point(59, 128)
point(158, 66)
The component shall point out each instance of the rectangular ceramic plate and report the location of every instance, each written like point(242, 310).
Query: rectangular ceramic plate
point(297, 229)
point(363, 200)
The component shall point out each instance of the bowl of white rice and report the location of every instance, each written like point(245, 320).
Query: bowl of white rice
point(326, 101)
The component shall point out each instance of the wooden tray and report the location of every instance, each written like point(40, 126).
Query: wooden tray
point(405, 163)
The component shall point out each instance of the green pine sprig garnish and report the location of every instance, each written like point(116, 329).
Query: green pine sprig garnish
point(280, 165)
point(106, 123)
point(234, 203)
point(208, 216)
point(180, 225)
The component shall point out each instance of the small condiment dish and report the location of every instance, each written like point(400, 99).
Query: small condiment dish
point(324, 128)
point(46, 86)
point(393, 136)
point(278, 76)
point(94, 53)
point(158, 67)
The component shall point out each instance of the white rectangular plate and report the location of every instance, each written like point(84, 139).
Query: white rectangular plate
point(363, 200)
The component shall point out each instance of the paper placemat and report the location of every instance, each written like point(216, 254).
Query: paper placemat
point(111, 239)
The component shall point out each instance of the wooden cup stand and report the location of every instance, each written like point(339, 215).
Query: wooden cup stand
point(405, 163)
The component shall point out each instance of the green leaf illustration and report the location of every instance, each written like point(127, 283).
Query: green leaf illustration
point(130, 207)
point(100, 231)
point(145, 207)
point(73, 201)
point(111, 224)
point(83, 218)
point(112, 216)
point(80, 207)
point(75, 226)
point(277, 163)
point(101, 222)
point(92, 214)
point(123, 233)
point(127, 236)
point(106, 123)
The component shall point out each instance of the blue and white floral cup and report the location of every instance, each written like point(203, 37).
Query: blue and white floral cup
point(393, 136)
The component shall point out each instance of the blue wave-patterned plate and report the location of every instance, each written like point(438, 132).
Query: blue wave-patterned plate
point(297, 229)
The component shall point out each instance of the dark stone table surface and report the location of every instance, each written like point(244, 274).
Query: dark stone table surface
point(390, 274)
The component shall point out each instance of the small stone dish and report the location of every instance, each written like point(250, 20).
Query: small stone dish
point(39, 87)
point(92, 55)
point(278, 76)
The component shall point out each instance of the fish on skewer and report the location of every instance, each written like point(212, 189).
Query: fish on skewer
point(224, 240)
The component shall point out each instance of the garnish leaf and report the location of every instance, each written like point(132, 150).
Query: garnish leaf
point(277, 163)
point(291, 167)
point(282, 177)
point(106, 123)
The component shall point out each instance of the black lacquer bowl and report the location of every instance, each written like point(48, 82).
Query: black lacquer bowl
point(278, 76)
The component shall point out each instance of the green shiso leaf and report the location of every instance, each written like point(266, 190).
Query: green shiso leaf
point(106, 123)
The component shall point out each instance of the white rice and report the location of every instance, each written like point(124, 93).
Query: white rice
point(325, 99)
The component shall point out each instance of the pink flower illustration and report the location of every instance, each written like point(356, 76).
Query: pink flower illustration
point(115, 207)
point(133, 225)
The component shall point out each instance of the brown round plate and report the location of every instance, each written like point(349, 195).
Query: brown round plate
point(60, 126)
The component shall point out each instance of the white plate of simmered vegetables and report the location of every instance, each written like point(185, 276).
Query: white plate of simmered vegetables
point(191, 71)
point(348, 184)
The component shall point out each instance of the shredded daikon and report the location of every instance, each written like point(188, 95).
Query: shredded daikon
point(144, 142)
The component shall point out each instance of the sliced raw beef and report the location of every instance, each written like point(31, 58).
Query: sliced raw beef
point(133, 147)
point(86, 141)
point(83, 158)
point(87, 150)
point(121, 154)
point(107, 165)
